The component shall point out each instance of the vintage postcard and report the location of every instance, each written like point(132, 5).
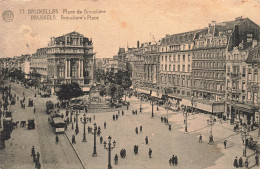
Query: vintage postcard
point(129, 84)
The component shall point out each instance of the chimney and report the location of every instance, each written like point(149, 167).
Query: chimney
point(138, 44)
point(214, 27)
point(254, 43)
point(209, 28)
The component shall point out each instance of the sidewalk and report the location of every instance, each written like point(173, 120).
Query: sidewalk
point(163, 142)
point(17, 151)
point(197, 124)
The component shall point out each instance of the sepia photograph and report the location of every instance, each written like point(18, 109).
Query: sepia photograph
point(129, 84)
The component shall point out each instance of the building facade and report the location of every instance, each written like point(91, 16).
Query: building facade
point(70, 59)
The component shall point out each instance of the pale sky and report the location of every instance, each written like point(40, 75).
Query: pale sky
point(125, 21)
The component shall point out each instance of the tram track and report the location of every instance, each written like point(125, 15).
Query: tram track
point(51, 155)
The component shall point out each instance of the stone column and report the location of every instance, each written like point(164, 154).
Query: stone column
point(82, 68)
point(66, 67)
point(79, 66)
point(69, 68)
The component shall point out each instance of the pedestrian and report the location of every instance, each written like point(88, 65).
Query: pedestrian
point(141, 129)
point(94, 117)
point(136, 130)
point(161, 119)
point(246, 163)
point(116, 116)
point(39, 165)
point(118, 112)
point(105, 125)
point(74, 119)
point(73, 139)
point(34, 157)
point(235, 163)
point(170, 161)
point(200, 138)
point(240, 162)
point(101, 139)
point(257, 160)
point(124, 153)
point(57, 139)
point(150, 153)
point(38, 156)
point(33, 151)
point(76, 130)
point(146, 140)
point(170, 127)
point(173, 159)
point(225, 144)
point(176, 160)
point(116, 159)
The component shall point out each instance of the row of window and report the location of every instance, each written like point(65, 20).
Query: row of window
point(211, 55)
point(209, 75)
point(176, 58)
point(208, 85)
point(217, 42)
point(206, 64)
point(172, 80)
point(172, 67)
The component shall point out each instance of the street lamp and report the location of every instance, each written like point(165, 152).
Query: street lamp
point(186, 119)
point(158, 98)
point(109, 149)
point(95, 135)
point(244, 135)
point(152, 107)
point(77, 126)
point(211, 123)
point(141, 103)
point(167, 106)
point(84, 133)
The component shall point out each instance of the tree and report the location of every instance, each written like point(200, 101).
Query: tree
point(69, 91)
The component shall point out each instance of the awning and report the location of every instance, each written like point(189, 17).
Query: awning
point(244, 107)
point(142, 91)
point(173, 96)
point(85, 89)
point(203, 106)
point(218, 108)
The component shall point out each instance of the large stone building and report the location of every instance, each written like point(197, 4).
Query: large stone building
point(39, 63)
point(67, 59)
point(176, 64)
point(209, 59)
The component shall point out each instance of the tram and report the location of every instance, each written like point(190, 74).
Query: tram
point(58, 125)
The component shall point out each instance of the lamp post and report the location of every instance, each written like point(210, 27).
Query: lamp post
point(167, 106)
point(158, 98)
point(152, 108)
point(109, 149)
point(95, 140)
point(84, 133)
point(77, 126)
point(244, 135)
point(211, 123)
point(186, 119)
point(140, 103)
